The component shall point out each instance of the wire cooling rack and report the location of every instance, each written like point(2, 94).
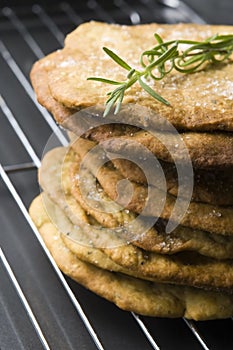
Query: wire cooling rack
point(40, 308)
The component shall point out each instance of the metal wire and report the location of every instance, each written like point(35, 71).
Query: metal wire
point(197, 334)
point(71, 295)
point(22, 137)
point(183, 9)
point(10, 14)
point(71, 14)
point(146, 331)
point(24, 301)
point(134, 16)
point(13, 168)
point(95, 6)
point(49, 23)
point(28, 89)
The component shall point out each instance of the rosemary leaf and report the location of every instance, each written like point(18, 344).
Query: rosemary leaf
point(117, 59)
point(151, 92)
point(119, 102)
point(109, 104)
point(103, 80)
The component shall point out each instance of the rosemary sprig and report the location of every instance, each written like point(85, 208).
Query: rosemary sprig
point(161, 59)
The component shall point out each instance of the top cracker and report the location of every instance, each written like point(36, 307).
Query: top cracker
point(199, 101)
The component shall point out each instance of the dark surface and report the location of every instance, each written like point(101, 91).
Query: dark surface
point(55, 313)
point(214, 11)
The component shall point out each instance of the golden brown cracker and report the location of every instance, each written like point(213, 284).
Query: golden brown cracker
point(205, 150)
point(39, 79)
point(185, 268)
point(210, 186)
point(201, 216)
point(68, 197)
point(196, 104)
point(128, 293)
point(213, 187)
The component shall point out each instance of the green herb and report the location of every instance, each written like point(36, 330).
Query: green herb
point(161, 59)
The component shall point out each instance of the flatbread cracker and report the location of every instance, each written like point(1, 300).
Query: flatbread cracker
point(209, 186)
point(213, 187)
point(39, 78)
point(196, 102)
point(128, 293)
point(217, 152)
point(186, 268)
point(201, 216)
point(77, 240)
point(205, 148)
point(207, 151)
point(156, 240)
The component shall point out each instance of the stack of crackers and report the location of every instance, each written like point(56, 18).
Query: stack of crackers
point(91, 212)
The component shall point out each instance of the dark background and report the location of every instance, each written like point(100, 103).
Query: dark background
point(213, 11)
